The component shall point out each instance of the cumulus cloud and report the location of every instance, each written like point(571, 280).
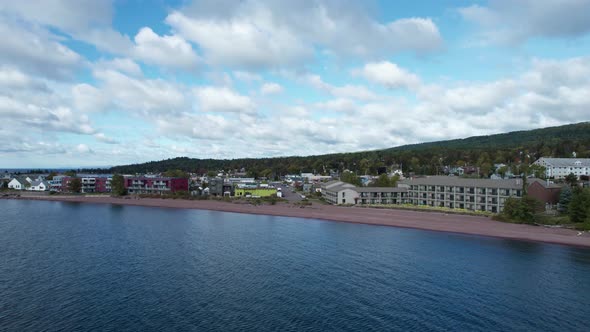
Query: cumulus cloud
point(142, 95)
point(83, 148)
point(252, 34)
point(511, 22)
point(36, 51)
point(214, 99)
point(388, 74)
point(172, 51)
point(271, 88)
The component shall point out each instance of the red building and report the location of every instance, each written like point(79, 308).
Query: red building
point(159, 185)
point(545, 192)
point(96, 184)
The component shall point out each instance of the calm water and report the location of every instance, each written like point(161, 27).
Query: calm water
point(67, 266)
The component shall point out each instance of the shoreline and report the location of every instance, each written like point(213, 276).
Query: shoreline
point(431, 221)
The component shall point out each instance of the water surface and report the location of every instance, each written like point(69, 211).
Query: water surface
point(73, 266)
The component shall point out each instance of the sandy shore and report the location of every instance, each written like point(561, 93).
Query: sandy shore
point(472, 225)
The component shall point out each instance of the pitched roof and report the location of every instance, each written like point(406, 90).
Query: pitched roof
point(37, 183)
point(380, 189)
point(463, 182)
point(21, 180)
point(564, 162)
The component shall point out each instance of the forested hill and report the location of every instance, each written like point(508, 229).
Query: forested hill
point(424, 158)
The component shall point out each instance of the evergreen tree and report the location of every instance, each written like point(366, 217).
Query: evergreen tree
point(571, 179)
point(565, 197)
point(118, 185)
point(579, 207)
point(75, 185)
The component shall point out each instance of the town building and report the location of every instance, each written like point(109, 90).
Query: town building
point(96, 184)
point(254, 190)
point(220, 187)
point(338, 192)
point(545, 191)
point(462, 193)
point(155, 185)
point(55, 184)
point(18, 183)
point(559, 168)
point(381, 195)
point(39, 186)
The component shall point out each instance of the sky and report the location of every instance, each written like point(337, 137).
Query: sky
point(100, 83)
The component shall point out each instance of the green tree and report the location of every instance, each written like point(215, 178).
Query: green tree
point(176, 173)
point(350, 177)
point(75, 185)
point(538, 171)
point(571, 179)
point(502, 171)
point(385, 181)
point(51, 175)
point(118, 185)
point(211, 174)
point(579, 207)
point(70, 173)
point(565, 197)
point(381, 181)
point(522, 210)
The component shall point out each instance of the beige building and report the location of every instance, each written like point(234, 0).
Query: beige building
point(462, 193)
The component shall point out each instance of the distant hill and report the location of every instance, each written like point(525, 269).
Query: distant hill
point(423, 158)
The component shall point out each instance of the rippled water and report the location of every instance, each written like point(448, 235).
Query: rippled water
point(68, 266)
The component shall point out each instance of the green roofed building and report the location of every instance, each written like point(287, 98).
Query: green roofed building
point(258, 191)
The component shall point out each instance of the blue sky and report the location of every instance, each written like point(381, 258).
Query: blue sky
point(98, 83)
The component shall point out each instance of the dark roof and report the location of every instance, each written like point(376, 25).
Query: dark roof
point(464, 182)
point(380, 189)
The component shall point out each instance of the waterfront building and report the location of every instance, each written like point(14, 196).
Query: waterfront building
point(39, 186)
point(462, 193)
point(155, 185)
point(381, 195)
point(253, 189)
point(338, 192)
point(559, 168)
point(96, 184)
point(18, 183)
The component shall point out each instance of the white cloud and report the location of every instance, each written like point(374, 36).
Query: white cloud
point(213, 99)
point(171, 51)
point(105, 139)
point(346, 91)
point(243, 42)
point(124, 65)
point(274, 34)
point(271, 88)
point(36, 51)
point(142, 95)
point(511, 22)
point(83, 148)
point(247, 76)
point(389, 75)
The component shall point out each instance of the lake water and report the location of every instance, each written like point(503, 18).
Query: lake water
point(82, 267)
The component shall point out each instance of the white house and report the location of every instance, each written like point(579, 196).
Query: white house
point(18, 183)
point(39, 186)
point(338, 192)
point(559, 168)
